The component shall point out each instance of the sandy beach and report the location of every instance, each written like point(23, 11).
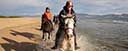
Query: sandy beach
point(21, 34)
point(16, 34)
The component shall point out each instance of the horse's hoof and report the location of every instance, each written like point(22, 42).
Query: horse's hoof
point(54, 48)
point(40, 29)
point(77, 47)
point(44, 39)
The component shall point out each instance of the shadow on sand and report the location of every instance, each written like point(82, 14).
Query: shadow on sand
point(25, 34)
point(37, 29)
point(22, 46)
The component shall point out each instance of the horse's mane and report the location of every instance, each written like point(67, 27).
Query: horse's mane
point(47, 26)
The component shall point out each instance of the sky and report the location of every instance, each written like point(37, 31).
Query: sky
point(37, 7)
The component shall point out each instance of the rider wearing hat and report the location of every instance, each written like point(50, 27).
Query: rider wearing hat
point(47, 16)
point(67, 11)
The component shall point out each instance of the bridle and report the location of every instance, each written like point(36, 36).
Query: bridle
point(67, 28)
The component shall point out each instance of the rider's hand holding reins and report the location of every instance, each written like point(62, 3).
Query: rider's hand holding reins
point(69, 15)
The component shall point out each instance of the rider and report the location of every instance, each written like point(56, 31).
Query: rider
point(47, 16)
point(66, 12)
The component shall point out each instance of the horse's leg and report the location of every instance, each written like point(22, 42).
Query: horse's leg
point(72, 43)
point(46, 36)
point(61, 49)
point(49, 36)
point(42, 35)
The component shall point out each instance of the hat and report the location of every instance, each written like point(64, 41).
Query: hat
point(69, 3)
point(47, 8)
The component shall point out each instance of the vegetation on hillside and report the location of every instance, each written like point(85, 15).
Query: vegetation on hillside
point(10, 16)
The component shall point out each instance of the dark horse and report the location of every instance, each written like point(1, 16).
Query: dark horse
point(55, 20)
point(47, 29)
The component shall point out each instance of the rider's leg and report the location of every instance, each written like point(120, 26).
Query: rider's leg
point(42, 21)
point(41, 26)
point(57, 38)
point(74, 37)
point(76, 46)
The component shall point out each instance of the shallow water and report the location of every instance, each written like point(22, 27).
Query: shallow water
point(103, 35)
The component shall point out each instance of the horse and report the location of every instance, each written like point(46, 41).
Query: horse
point(47, 29)
point(55, 21)
point(67, 42)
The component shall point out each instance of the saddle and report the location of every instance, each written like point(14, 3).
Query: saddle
point(47, 25)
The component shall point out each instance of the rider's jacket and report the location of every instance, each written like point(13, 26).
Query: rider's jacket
point(63, 14)
point(48, 15)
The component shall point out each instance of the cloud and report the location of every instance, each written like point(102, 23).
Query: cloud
point(12, 4)
point(18, 7)
point(102, 6)
point(15, 7)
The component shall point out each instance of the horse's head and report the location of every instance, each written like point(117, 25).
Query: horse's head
point(56, 20)
point(69, 26)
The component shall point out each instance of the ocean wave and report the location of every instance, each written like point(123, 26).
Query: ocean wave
point(119, 21)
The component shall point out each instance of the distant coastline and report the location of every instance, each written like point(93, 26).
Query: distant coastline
point(118, 17)
point(10, 16)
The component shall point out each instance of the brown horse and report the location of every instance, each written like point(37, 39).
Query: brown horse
point(47, 29)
